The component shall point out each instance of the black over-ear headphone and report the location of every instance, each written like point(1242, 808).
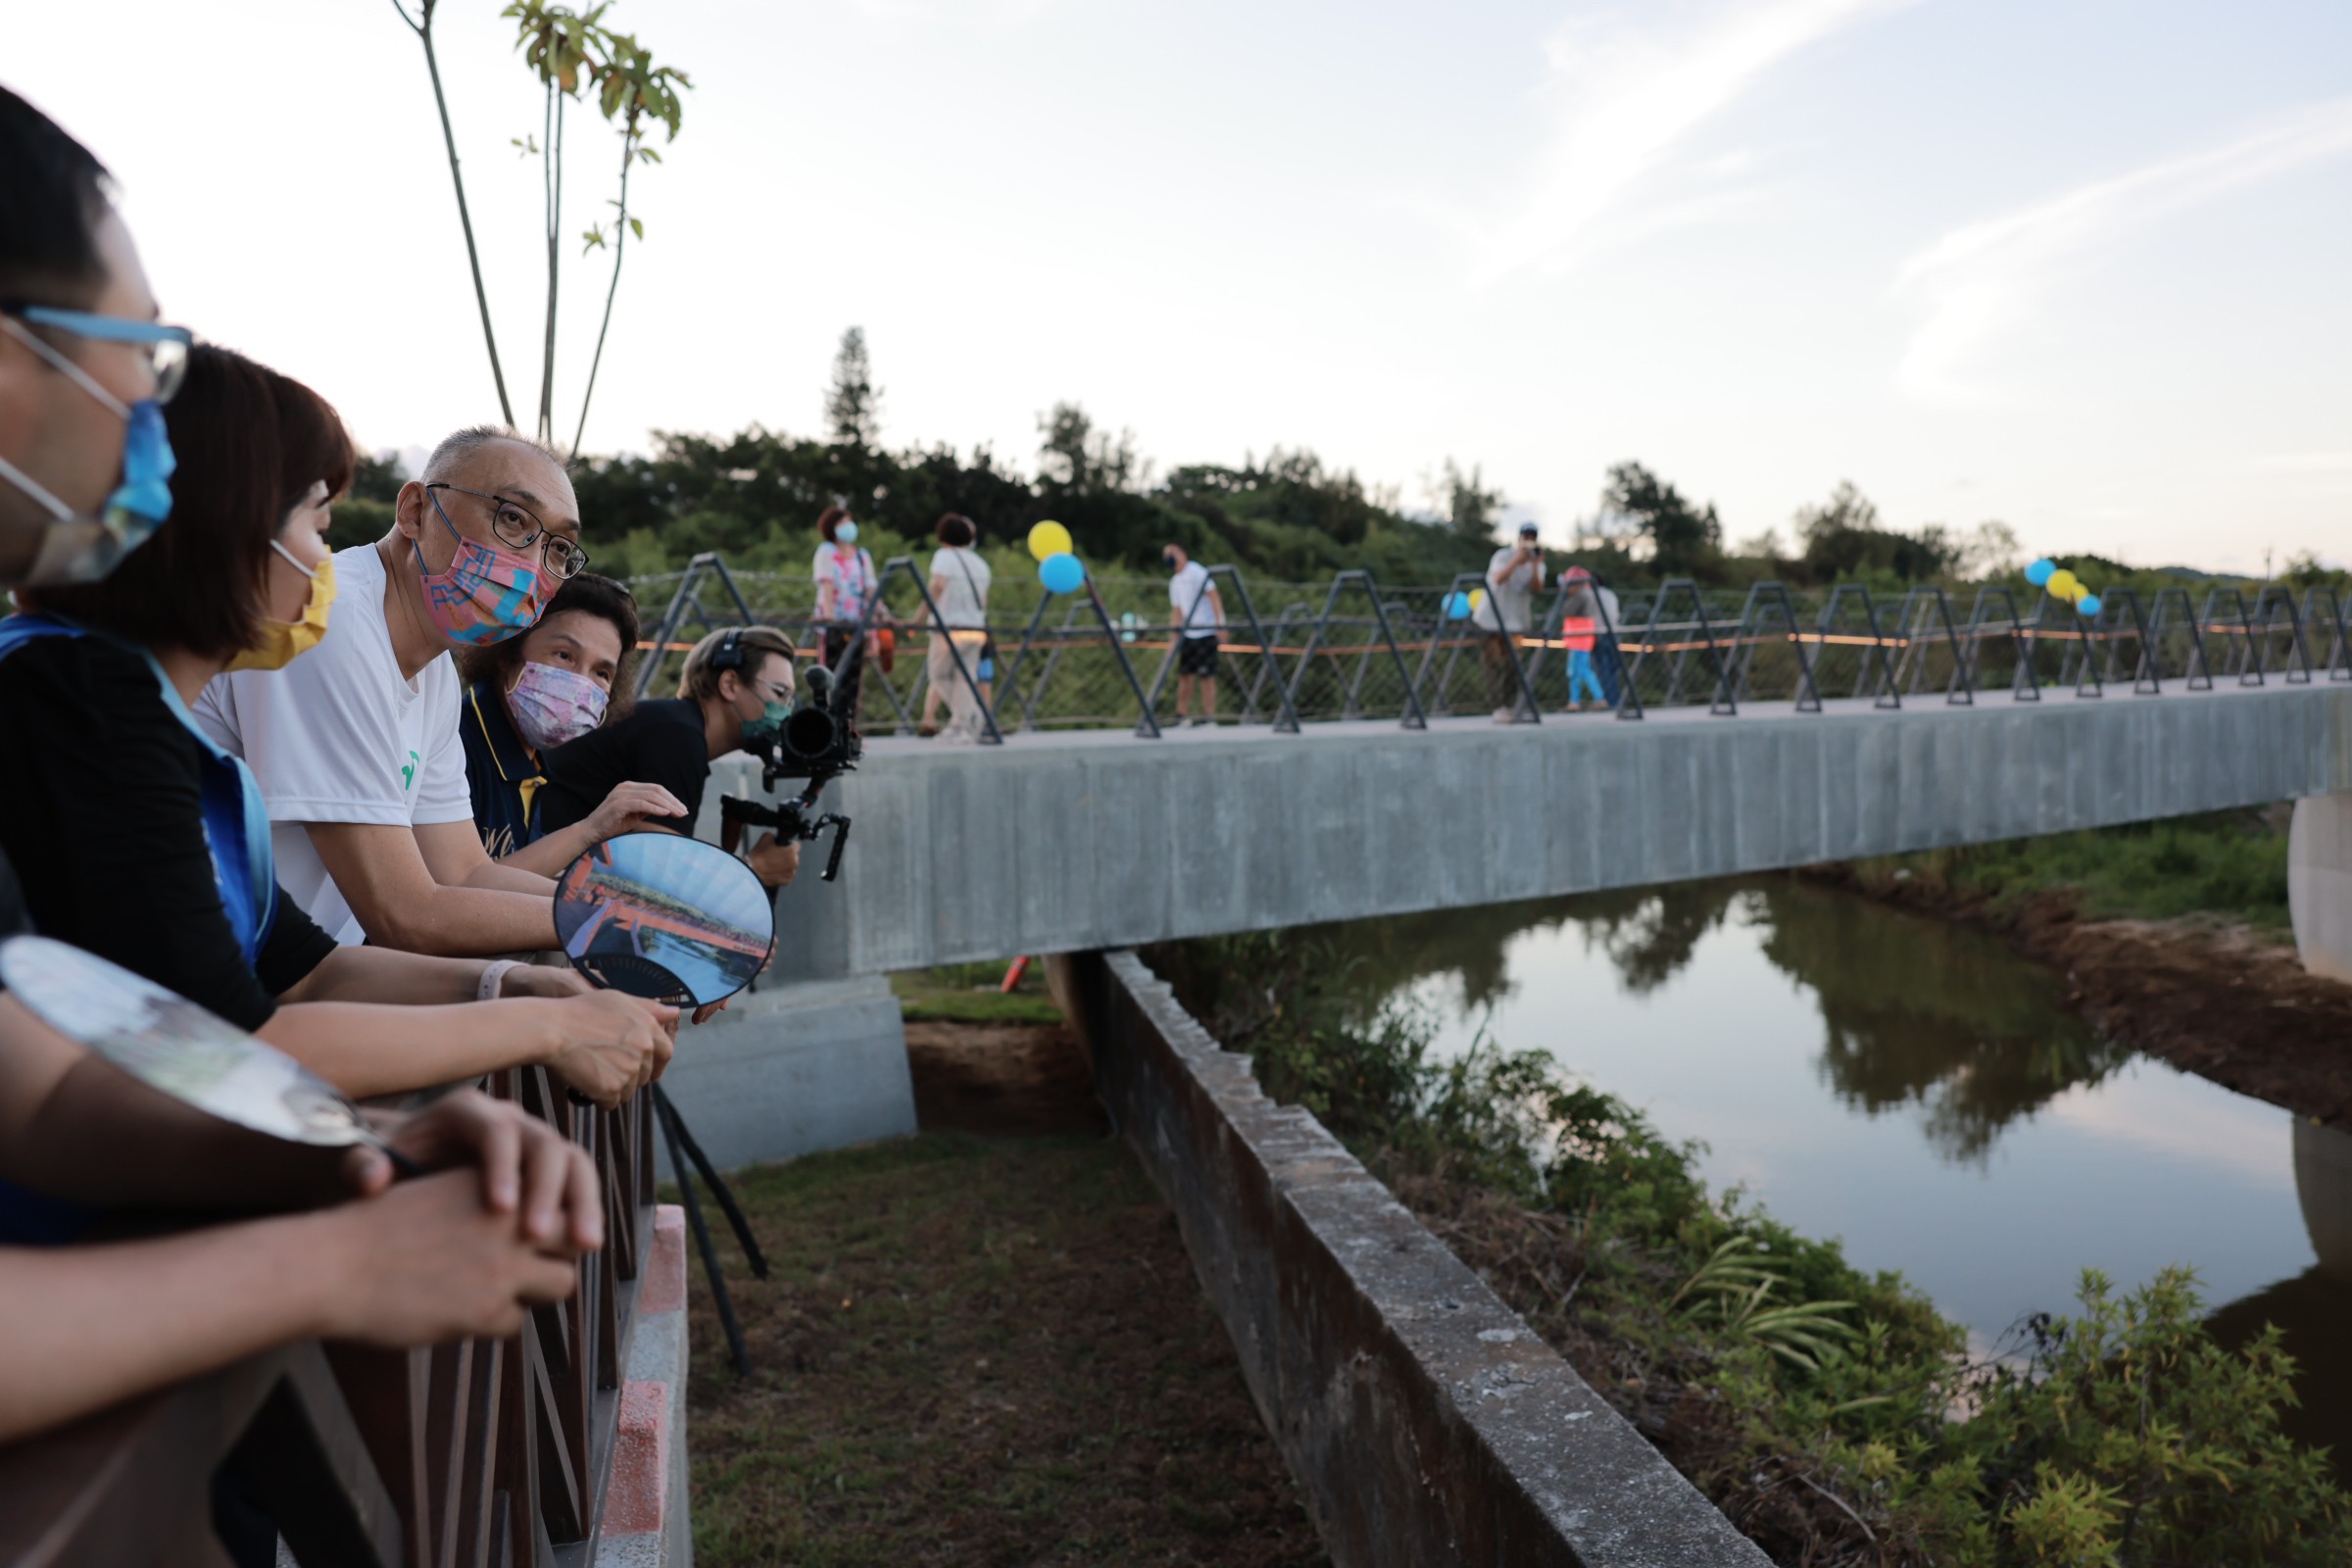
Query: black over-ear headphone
point(728, 654)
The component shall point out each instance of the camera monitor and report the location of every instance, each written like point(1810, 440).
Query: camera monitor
point(162, 1039)
point(671, 918)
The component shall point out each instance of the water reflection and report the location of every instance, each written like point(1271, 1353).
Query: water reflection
point(1919, 1091)
point(1918, 1015)
point(2311, 1308)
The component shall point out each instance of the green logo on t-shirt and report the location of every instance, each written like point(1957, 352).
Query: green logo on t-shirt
point(407, 774)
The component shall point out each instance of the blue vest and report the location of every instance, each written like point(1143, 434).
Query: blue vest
point(236, 823)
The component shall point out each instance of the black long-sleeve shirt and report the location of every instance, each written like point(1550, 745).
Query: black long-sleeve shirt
point(101, 812)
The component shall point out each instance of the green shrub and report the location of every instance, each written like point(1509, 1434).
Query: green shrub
point(2127, 1438)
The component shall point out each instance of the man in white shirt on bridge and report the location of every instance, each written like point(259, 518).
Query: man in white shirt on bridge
point(1198, 613)
point(1515, 576)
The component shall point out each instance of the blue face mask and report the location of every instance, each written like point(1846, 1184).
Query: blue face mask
point(845, 534)
point(86, 549)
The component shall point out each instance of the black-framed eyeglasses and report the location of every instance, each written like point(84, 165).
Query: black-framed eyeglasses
point(519, 527)
point(166, 347)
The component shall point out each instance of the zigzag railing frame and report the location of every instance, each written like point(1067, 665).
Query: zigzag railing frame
point(685, 601)
point(1723, 704)
point(2197, 670)
point(1959, 688)
point(2024, 682)
point(1414, 717)
point(1761, 597)
point(2339, 647)
point(2270, 604)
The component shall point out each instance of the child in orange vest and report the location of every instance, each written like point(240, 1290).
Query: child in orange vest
point(1578, 628)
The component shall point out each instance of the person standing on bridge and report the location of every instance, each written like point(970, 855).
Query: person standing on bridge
point(1515, 576)
point(1580, 628)
point(1197, 614)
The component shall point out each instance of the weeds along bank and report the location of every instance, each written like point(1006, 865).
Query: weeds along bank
point(1834, 1416)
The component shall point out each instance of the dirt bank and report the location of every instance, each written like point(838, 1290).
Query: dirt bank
point(2208, 997)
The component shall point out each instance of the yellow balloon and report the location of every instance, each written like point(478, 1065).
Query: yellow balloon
point(1478, 597)
point(2063, 583)
point(2078, 593)
point(1050, 539)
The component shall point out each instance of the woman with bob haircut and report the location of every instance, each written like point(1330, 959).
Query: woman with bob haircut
point(139, 840)
point(528, 694)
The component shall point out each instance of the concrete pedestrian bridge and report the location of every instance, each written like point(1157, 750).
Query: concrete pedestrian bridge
point(1076, 841)
point(1094, 839)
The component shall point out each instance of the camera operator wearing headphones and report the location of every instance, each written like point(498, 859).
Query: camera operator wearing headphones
point(736, 691)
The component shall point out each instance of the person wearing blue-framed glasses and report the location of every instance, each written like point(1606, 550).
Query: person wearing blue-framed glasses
point(85, 369)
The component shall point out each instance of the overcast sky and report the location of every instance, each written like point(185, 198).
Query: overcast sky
point(2073, 264)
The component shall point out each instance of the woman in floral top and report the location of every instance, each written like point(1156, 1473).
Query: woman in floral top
point(846, 581)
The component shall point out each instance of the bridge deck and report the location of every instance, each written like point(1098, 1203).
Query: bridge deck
point(1073, 839)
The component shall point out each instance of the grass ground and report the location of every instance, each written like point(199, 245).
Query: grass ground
point(2228, 865)
point(970, 992)
point(976, 1351)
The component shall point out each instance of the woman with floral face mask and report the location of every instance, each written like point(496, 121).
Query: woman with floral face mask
point(528, 694)
point(137, 838)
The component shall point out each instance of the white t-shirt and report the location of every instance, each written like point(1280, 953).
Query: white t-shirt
point(1515, 595)
point(961, 572)
point(1189, 592)
point(339, 736)
point(1608, 606)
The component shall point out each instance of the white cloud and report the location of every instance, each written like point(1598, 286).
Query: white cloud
point(1982, 279)
point(1624, 98)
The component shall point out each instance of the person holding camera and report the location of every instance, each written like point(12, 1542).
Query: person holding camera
point(736, 691)
point(1515, 576)
point(531, 694)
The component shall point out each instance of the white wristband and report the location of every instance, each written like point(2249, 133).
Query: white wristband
point(493, 978)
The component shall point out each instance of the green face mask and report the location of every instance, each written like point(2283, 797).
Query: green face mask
point(765, 730)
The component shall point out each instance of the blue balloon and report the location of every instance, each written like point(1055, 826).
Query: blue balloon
point(1061, 573)
point(1458, 606)
point(2088, 604)
point(2039, 573)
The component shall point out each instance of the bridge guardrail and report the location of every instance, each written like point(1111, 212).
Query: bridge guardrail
point(1365, 651)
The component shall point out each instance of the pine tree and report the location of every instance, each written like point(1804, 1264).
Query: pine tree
point(853, 404)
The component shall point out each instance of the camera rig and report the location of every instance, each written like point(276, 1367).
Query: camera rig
point(816, 744)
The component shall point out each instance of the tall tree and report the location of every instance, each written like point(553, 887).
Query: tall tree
point(1072, 454)
point(635, 91)
point(1685, 541)
point(422, 25)
point(574, 56)
point(853, 404)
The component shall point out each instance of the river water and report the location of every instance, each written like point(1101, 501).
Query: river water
point(1916, 1089)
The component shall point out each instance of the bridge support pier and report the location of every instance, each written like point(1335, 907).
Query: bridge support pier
point(2319, 883)
point(793, 1070)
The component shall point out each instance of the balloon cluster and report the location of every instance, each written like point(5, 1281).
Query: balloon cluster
point(1461, 606)
point(2060, 584)
point(1058, 568)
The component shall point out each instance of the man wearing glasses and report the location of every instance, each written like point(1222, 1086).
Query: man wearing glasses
point(355, 744)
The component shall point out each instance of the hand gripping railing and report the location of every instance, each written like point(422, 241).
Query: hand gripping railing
point(474, 1453)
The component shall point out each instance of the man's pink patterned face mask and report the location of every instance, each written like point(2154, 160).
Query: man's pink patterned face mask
point(486, 596)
